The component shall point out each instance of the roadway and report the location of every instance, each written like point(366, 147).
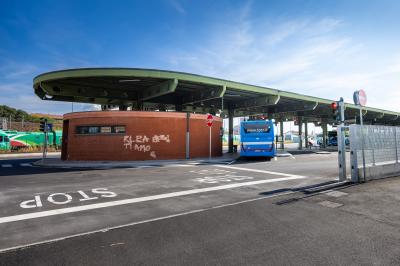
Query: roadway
point(42, 205)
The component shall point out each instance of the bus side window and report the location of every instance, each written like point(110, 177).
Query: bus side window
point(1, 138)
point(6, 139)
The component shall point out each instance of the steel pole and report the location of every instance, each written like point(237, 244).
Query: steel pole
point(341, 139)
point(187, 135)
point(230, 130)
point(306, 134)
point(282, 136)
point(362, 143)
point(210, 146)
point(341, 152)
point(395, 144)
point(45, 143)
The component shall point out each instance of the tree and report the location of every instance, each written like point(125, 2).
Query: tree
point(16, 115)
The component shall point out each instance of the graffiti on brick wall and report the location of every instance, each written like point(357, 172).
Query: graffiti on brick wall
point(143, 143)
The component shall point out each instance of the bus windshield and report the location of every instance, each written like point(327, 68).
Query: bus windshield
point(256, 128)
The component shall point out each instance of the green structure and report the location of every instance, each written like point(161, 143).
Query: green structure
point(16, 140)
point(148, 89)
point(4, 141)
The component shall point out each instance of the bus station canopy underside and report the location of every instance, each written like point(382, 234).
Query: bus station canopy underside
point(148, 89)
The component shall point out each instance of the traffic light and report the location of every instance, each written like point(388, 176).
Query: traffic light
point(335, 111)
point(43, 125)
point(338, 111)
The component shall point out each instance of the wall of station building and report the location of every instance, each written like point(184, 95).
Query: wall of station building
point(129, 135)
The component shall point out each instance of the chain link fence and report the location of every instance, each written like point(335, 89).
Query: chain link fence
point(7, 124)
point(374, 152)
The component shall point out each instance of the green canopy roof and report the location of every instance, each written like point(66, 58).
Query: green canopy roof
point(148, 89)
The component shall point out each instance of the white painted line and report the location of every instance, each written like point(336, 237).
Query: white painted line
point(25, 164)
point(6, 165)
point(103, 230)
point(179, 165)
point(34, 215)
point(258, 171)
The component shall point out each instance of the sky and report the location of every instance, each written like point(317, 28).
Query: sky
point(326, 48)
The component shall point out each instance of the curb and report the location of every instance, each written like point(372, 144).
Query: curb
point(111, 165)
point(283, 154)
point(7, 156)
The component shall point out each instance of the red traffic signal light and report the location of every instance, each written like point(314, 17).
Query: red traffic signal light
point(334, 105)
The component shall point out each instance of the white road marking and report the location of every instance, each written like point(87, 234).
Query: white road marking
point(179, 165)
point(103, 230)
point(25, 164)
point(259, 171)
point(34, 215)
point(7, 165)
point(142, 166)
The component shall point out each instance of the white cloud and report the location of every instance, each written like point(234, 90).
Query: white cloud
point(310, 56)
point(21, 96)
point(177, 5)
point(12, 70)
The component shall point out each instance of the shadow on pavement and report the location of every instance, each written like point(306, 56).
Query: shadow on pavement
point(245, 160)
point(38, 170)
point(17, 169)
point(308, 191)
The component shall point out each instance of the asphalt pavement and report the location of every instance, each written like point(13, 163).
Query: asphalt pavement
point(248, 212)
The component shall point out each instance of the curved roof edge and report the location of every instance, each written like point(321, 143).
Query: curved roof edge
point(167, 74)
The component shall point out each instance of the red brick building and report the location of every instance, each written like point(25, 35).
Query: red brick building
point(136, 135)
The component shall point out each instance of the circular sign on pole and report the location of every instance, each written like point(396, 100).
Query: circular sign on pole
point(209, 120)
point(360, 97)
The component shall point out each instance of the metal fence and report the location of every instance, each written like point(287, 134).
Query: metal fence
point(374, 152)
point(7, 124)
point(3, 123)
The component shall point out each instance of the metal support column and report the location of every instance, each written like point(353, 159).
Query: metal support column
point(354, 147)
point(230, 130)
point(324, 134)
point(300, 132)
point(362, 144)
point(282, 135)
point(341, 152)
point(187, 135)
point(395, 144)
point(306, 134)
point(341, 141)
